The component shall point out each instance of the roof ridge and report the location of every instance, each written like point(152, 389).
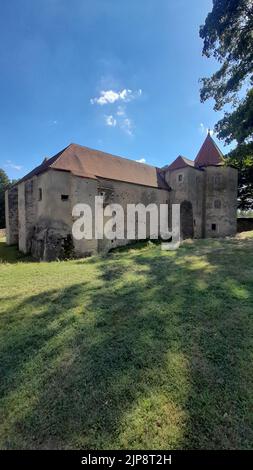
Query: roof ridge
point(45, 164)
point(219, 150)
point(86, 162)
point(209, 153)
point(186, 158)
point(112, 155)
point(59, 156)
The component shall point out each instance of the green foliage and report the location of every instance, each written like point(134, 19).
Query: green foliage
point(248, 214)
point(4, 182)
point(142, 349)
point(242, 159)
point(228, 36)
point(238, 125)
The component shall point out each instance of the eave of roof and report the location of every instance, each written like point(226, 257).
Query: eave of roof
point(88, 163)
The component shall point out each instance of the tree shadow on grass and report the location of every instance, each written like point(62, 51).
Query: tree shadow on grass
point(29, 327)
point(83, 377)
point(217, 321)
point(159, 357)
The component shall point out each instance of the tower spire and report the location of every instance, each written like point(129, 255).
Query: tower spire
point(209, 153)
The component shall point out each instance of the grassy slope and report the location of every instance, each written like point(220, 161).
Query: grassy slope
point(141, 349)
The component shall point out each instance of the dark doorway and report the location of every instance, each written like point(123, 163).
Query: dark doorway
point(186, 218)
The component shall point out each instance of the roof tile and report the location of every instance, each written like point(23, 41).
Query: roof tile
point(209, 154)
point(89, 163)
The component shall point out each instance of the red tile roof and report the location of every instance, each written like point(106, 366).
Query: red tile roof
point(209, 154)
point(89, 163)
point(180, 162)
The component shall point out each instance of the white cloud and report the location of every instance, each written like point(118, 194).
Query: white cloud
point(205, 130)
point(127, 126)
point(141, 160)
point(123, 121)
point(110, 121)
point(121, 111)
point(110, 96)
point(105, 98)
point(13, 166)
point(120, 98)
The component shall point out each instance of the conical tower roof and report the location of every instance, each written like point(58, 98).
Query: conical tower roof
point(209, 154)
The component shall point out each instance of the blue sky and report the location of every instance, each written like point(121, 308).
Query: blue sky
point(116, 75)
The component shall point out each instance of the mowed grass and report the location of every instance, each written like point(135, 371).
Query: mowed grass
point(138, 349)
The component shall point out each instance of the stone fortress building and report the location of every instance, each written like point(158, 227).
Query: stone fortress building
point(39, 206)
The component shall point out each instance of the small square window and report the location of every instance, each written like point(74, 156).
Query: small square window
point(64, 197)
point(40, 194)
point(180, 177)
point(213, 227)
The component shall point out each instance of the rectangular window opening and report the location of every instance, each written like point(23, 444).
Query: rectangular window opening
point(217, 204)
point(214, 227)
point(40, 194)
point(64, 197)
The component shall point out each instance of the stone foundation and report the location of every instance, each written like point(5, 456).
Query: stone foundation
point(49, 244)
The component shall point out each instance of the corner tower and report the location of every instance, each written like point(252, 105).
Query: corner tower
point(206, 188)
point(220, 191)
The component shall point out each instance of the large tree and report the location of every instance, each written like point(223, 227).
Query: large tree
point(228, 36)
point(4, 183)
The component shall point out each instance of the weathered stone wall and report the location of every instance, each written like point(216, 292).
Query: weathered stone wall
point(39, 210)
point(118, 192)
point(11, 215)
point(221, 201)
point(54, 215)
point(52, 238)
point(213, 195)
point(83, 191)
point(21, 218)
point(27, 213)
point(31, 201)
point(187, 184)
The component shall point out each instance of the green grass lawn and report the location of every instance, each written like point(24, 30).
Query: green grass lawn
point(138, 349)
